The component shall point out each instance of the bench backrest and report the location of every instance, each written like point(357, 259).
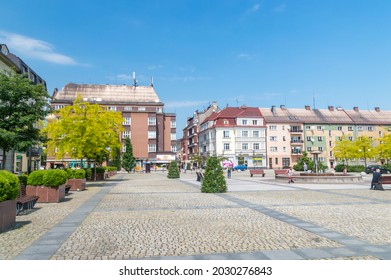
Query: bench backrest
point(385, 179)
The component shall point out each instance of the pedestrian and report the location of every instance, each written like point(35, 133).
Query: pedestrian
point(375, 179)
point(305, 167)
point(229, 170)
point(290, 175)
point(345, 170)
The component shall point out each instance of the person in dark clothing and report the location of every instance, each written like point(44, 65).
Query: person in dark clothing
point(375, 179)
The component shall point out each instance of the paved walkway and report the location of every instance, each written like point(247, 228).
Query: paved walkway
point(148, 216)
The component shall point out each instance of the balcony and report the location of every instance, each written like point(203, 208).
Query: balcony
point(297, 142)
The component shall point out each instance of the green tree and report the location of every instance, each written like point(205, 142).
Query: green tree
point(84, 131)
point(128, 160)
point(363, 148)
point(214, 180)
point(344, 150)
point(173, 170)
point(117, 159)
point(22, 106)
point(383, 150)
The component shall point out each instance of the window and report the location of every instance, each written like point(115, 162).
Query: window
point(370, 128)
point(245, 133)
point(330, 144)
point(58, 107)
point(151, 121)
point(319, 127)
point(273, 127)
point(350, 138)
point(111, 108)
point(225, 122)
point(309, 138)
point(276, 161)
point(309, 149)
point(256, 134)
point(141, 108)
point(329, 132)
point(226, 147)
point(173, 136)
point(380, 134)
point(244, 146)
point(151, 134)
point(255, 122)
point(127, 108)
point(350, 128)
point(321, 159)
point(127, 121)
point(320, 149)
point(159, 110)
point(283, 138)
point(244, 122)
point(339, 128)
point(173, 148)
point(173, 124)
point(320, 138)
point(126, 134)
point(360, 128)
point(273, 149)
point(308, 127)
point(331, 153)
point(151, 148)
point(226, 134)
point(286, 161)
point(255, 146)
point(273, 138)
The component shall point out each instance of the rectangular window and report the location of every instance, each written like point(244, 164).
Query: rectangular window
point(256, 134)
point(245, 133)
point(255, 122)
point(127, 108)
point(276, 161)
point(226, 147)
point(319, 127)
point(273, 149)
point(330, 144)
point(284, 149)
point(151, 148)
point(320, 138)
point(273, 138)
point(331, 153)
point(127, 121)
point(308, 127)
point(173, 136)
point(226, 134)
point(309, 149)
point(273, 127)
point(360, 128)
point(339, 128)
point(320, 149)
point(173, 124)
point(286, 162)
point(151, 121)
point(329, 132)
point(141, 108)
point(309, 138)
point(125, 134)
point(244, 146)
point(151, 134)
point(370, 128)
point(350, 138)
point(58, 107)
point(244, 122)
point(173, 148)
point(111, 108)
point(255, 146)
point(350, 128)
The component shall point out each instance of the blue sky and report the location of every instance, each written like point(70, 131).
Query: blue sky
point(236, 52)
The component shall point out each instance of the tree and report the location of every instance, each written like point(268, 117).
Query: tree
point(84, 131)
point(117, 159)
point(128, 160)
point(173, 170)
point(383, 150)
point(363, 148)
point(22, 105)
point(344, 150)
point(214, 180)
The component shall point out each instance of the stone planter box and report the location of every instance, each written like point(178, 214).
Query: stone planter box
point(77, 184)
point(47, 194)
point(7, 214)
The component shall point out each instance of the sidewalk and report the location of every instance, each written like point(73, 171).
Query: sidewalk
point(148, 216)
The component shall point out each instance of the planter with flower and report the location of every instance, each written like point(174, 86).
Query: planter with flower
point(76, 179)
point(49, 185)
point(9, 190)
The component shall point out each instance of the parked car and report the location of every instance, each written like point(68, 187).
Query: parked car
point(383, 169)
point(240, 167)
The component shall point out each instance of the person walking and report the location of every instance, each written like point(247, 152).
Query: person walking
point(305, 167)
point(290, 175)
point(229, 170)
point(375, 179)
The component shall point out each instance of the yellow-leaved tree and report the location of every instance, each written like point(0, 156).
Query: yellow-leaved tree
point(84, 131)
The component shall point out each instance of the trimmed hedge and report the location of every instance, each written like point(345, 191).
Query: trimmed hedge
point(76, 173)
point(49, 178)
point(9, 186)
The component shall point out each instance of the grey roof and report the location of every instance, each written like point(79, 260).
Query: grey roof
point(108, 93)
point(370, 116)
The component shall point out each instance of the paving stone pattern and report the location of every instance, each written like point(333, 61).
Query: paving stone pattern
point(148, 216)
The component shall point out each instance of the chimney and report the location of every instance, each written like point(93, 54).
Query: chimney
point(282, 107)
point(273, 109)
point(331, 108)
point(377, 109)
point(355, 109)
point(307, 107)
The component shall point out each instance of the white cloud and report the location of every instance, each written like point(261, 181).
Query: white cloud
point(254, 9)
point(154, 67)
point(33, 48)
point(185, 103)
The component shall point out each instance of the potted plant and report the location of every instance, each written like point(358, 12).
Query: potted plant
point(49, 185)
point(9, 190)
point(76, 179)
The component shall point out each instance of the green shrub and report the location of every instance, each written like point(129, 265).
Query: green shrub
point(80, 174)
point(351, 168)
point(36, 178)
point(99, 169)
point(214, 180)
point(88, 173)
point(9, 186)
point(23, 179)
point(173, 171)
point(54, 178)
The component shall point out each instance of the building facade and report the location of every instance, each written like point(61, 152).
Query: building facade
point(236, 134)
point(152, 131)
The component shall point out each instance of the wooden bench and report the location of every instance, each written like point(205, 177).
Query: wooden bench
point(382, 181)
point(257, 172)
point(280, 171)
point(24, 202)
point(200, 176)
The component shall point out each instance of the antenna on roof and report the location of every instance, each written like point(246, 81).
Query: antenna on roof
point(152, 81)
point(134, 79)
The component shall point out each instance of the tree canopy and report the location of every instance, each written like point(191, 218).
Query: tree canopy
point(84, 131)
point(22, 105)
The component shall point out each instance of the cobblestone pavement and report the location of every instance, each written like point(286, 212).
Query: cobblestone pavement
point(148, 216)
